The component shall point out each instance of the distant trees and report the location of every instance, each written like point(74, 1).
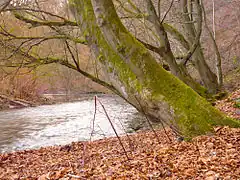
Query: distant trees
point(11, 70)
point(123, 62)
point(161, 33)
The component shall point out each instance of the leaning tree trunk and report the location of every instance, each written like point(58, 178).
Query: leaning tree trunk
point(138, 77)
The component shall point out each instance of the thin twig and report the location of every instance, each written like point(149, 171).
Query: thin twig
point(113, 128)
point(128, 137)
point(159, 9)
point(165, 15)
point(94, 116)
point(150, 124)
point(5, 5)
point(103, 134)
point(72, 55)
point(73, 176)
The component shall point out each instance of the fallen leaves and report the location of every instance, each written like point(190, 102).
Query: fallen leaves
point(206, 157)
point(231, 105)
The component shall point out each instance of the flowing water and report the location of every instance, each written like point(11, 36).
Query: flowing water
point(60, 124)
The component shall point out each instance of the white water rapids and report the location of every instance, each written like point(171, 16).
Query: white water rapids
point(59, 124)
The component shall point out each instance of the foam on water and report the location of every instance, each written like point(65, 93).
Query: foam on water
point(61, 123)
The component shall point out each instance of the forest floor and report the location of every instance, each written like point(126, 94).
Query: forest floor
point(231, 105)
point(146, 156)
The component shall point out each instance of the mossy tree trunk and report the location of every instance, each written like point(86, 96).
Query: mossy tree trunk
point(138, 77)
point(166, 53)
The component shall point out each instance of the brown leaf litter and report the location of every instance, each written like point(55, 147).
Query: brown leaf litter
point(205, 157)
point(228, 105)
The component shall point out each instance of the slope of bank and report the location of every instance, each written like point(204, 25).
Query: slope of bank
point(146, 156)
point(206, 157)
point(7, 102)
point(230, 105)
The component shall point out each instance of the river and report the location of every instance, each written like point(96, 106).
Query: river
point(60, 124)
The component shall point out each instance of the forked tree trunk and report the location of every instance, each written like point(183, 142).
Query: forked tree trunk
point(208, 77)
point(166, 53)
point(138, 77)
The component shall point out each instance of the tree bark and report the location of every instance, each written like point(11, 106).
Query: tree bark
point(166, 53)
point(138, 77)
point(208, 77)
point(217, 53)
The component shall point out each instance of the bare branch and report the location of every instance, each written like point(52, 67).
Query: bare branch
point(38, 61)
point(4, 5)
point(176, 35)
point(36, 23)
point(125, 152)
point(165, 15)
point(9, 37)
point(159, 9)
point(35, 10)
point(76, 61)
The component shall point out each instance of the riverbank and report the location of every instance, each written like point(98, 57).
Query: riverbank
point(206, 157)
point(7, 102)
